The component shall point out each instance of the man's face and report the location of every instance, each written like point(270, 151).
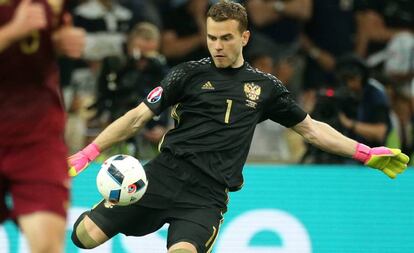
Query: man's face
point(225, 43)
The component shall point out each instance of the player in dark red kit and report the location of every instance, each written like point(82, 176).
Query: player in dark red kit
point(32, 149)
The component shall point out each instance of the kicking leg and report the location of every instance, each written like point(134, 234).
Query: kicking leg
point(86, 234)
point(182, 247)
point(190, 233)
point(98, 225)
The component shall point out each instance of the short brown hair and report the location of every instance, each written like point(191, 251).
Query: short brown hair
point(225, 10)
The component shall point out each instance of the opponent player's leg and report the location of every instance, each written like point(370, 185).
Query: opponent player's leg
point(40, 210)
point(44, 231)
point(39, 187)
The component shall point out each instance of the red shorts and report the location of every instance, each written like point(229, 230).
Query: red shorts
point(35, 177)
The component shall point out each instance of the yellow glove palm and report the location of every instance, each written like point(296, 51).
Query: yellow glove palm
point(391, 164)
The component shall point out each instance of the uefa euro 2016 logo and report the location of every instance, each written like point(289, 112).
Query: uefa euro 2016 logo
point(155, 95)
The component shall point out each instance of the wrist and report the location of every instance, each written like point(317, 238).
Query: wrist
point(362, 153)
point(91, 151)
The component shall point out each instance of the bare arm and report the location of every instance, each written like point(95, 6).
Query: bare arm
point(119, 130)
point(124, 127)
point(390, 161)
point(325, 137)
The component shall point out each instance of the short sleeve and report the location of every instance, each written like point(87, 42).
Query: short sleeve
point(168, 92)
point(282, 108)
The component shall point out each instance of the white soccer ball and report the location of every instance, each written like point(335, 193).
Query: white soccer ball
point(122, 180)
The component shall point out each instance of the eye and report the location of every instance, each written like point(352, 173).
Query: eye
point(212, 38)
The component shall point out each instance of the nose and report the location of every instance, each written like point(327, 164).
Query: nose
point(218, 45)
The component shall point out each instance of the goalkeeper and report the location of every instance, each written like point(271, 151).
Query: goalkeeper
point(217, 103)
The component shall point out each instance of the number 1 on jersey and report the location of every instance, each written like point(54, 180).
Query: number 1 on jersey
point(227, 116)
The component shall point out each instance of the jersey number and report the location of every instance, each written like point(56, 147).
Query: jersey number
point(227, 116)
point(30, 44)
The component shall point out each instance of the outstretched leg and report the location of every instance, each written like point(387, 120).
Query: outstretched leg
point(103, 222)
point(182, 247)
point(86, 234)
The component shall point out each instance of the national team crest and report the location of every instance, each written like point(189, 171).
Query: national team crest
point(252, 91)
point(155, 95)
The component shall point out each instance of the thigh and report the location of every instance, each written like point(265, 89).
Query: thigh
point(132, 220)
point(199, 227)
point(37, 177)
point(43, 230)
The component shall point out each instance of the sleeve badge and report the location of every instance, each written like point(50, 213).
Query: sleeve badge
point(155, 95)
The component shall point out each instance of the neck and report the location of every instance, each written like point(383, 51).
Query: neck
point(239, 62)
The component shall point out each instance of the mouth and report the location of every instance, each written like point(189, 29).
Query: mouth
point(219, 56)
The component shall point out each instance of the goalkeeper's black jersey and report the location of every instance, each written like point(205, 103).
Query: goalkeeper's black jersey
point(216, 111)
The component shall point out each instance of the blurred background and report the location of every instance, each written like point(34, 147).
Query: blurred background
point(349, 63)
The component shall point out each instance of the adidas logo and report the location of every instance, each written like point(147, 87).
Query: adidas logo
point(207, 86)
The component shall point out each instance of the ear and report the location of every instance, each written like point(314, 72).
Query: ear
point(245, 37)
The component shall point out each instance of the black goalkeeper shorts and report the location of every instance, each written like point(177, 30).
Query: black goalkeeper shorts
point(191, 203)
point(197, 226)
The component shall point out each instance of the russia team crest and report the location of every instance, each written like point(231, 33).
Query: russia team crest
point(155, 95)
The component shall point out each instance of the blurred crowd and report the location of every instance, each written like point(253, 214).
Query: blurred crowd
point(348, 62)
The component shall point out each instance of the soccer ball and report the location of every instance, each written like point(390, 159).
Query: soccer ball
point(122, 180)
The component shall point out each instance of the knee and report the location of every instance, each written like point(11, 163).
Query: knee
point(80, 236)
point(75, 232)
point(76, 240)
point(182, 247)
point(181, 251)
point(46, 245)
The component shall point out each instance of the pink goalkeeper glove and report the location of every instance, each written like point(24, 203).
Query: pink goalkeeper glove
point(79, 161)
point(389, 160)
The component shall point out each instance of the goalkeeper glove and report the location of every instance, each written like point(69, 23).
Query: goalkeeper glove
point(389, 160)
point(79, 161)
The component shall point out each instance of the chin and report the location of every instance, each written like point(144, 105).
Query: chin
point(221, 64)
